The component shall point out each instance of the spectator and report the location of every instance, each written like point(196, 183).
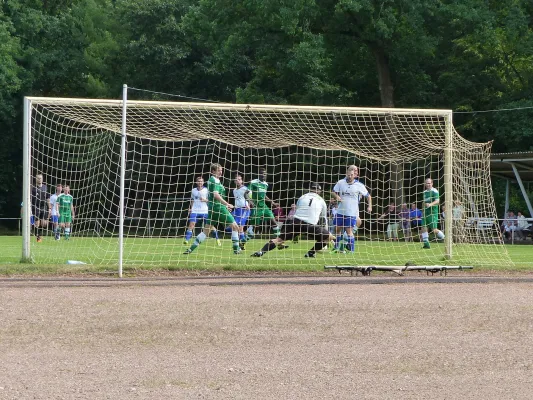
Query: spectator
point(522, 226)
point(457, 211)
point(291, 212)
point(509, 225)
point(290, 218)
point(392, 215)
point(415, 215)
point(405, 223)
point(458, 222)
point(279, 214)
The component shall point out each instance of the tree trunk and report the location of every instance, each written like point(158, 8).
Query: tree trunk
point(386, 90)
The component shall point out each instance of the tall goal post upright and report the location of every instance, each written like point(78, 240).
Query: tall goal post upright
point(26, 181)
point(132, 166)
point(123, 145)
point(448, 186)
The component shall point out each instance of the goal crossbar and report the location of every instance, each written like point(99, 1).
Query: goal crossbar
point(121, 156)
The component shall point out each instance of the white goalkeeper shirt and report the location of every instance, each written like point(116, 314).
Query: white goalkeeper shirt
point(310, 207)
point(53, 201)
point(240, 197)
point(198, 206)
point(350, 194)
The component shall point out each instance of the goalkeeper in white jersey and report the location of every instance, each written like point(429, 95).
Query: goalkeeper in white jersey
point(310, 208)
point(347, 192)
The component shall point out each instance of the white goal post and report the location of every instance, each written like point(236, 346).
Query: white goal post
point(131, 166)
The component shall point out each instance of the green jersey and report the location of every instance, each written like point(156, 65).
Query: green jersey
point(259, 190)
point(65, 202)
point(214, 185)
point(430, 196)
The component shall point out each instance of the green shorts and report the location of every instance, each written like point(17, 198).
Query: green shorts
point(259, 214)
point(65, 219)
point(219, 215)
point(431, 221)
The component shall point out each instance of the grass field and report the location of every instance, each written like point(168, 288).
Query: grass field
point(101, 254)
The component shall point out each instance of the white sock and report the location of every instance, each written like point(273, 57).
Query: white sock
point(201, 237)
point(425, 237)
point(234, 236)
point(440, 235)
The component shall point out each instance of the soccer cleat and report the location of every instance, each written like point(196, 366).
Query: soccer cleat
point(188, 251)
point(242, 245)
point(426, 246)
point(238, 251)
point(57, 237)
point(257, 254)
point(282, 246)
point(39, 240)
point(219, 243)
point(310, 254)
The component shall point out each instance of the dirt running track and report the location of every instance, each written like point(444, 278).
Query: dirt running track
point(267, 338)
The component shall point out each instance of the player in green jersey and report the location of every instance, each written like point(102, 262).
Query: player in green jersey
point(65, 211)
point(258, 196)
point(430, 218)
point(218, 211)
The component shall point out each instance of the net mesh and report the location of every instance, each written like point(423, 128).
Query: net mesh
point(170, 144)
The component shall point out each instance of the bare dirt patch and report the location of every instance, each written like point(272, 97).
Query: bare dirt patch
point(245, 339)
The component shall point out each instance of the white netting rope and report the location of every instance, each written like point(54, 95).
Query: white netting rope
point(170, 144)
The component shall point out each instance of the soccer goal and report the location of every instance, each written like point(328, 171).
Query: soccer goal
point(132, 165)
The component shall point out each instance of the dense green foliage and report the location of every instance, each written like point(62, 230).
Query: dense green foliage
point(460, 54)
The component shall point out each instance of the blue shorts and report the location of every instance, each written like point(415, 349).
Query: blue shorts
point(195, 217)
point(55, 219)
point(241, 216)
point(345, 221)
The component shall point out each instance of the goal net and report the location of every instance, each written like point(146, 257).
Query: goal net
point(168, 145)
